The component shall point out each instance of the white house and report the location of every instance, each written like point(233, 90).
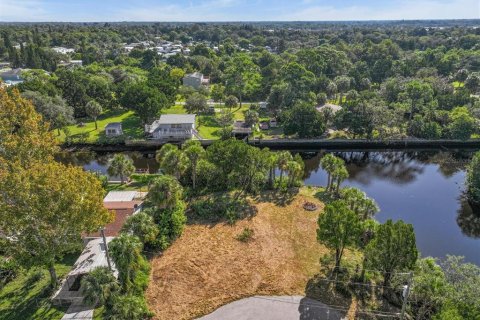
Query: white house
point(193, 80)
point(63, 50)
point(172, 127)
point(113, 129)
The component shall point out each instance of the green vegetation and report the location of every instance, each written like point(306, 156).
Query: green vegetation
point(28, 295)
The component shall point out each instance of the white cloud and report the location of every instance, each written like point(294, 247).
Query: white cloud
point(22, 10)
point(407, 9)
point(212, 10)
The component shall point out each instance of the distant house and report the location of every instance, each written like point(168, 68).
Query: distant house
point(333, 107)
point(63, 50)
point(241, 129)
point(124, 204)
point(273, 123)
point(92, 256)
point(194, 80)
point(264, 125)
point(113, 129)
point(172, 127)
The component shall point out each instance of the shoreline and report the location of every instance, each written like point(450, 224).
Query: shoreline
point(295, 144)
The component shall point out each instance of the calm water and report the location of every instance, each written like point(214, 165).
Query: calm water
point(423, 188)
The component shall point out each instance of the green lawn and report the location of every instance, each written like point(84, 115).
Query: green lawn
point(132, 127)
point(139, 182)
point(27, 296)
point(131, 124)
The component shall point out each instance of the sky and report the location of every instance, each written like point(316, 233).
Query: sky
point(235, 10)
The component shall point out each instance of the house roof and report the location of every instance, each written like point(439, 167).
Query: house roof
point(241, 127)
point(92, 256)
point(117, 196)
point(176, 119)
point(114, 125)
point(335, 108)
point(194, 75)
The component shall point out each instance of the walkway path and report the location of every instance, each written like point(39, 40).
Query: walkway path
point(79, 311)
point(274, 308)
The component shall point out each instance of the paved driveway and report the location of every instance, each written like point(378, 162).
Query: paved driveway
point(275, 308)
point(78, 310)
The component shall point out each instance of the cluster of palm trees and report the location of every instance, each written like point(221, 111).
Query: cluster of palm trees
point(337, 173)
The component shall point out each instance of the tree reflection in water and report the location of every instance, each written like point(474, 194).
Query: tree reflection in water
point(468, 219)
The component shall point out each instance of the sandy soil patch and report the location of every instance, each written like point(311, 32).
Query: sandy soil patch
point(208, 267)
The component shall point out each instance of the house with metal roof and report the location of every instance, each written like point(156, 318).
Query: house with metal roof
point(172, 127)
point(94, 255)
point(194, 80)
point(113, 129)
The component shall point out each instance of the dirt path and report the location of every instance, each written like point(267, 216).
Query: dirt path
point(207, 267)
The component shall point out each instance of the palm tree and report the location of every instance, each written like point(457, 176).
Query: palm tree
point(294, 171)
point(121, 166)
point(328, 163)
point(340, 174)
point(93, 110)
point(126, 254)
point(172, 160)
point(165, 192)
point(271, 159)
point(99, 286)
point(194, 152)
point(142, 226)
point(129, 307)
point(282, 160)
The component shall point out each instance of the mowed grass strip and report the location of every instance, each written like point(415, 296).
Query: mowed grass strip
point(208, 267)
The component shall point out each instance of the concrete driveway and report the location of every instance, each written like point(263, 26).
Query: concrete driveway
point(275, 308)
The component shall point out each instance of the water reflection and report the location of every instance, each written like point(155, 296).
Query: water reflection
point(420, 187)
point(468, 220)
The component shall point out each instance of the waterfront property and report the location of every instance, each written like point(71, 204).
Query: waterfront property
point(172, 127)
point(241, 129)
point(113, 129)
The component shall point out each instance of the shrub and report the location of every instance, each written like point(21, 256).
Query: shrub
point(246, 235)
point(129, 307)
point(218, 208)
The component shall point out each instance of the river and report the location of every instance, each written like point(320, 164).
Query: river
point(424, 188)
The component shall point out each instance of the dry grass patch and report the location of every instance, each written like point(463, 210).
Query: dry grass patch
point(209, 267)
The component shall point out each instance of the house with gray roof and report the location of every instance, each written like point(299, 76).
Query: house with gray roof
point(113, 129)
point(194, 80)
point(172, 127)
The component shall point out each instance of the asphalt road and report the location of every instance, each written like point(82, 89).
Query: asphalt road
point(275, 308)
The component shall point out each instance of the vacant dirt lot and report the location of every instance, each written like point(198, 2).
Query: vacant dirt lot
point(208, 267)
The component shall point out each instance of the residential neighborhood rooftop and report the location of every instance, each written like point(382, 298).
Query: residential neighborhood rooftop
point(176, 118)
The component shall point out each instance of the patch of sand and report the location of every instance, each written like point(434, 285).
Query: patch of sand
point(207, 267)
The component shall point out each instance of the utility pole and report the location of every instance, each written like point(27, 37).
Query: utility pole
point(406, 292)
point(102, 231)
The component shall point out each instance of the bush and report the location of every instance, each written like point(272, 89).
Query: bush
point(129, 308)
point(218, 208)
point(8, 270)
point(246, 235)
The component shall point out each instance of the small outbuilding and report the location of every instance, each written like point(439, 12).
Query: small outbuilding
point(241, 129)
point(113, 129)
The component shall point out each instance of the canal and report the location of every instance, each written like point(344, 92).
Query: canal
point(424, 188)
